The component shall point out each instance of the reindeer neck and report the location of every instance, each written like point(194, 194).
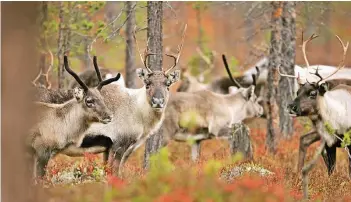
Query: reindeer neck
point(73, 112)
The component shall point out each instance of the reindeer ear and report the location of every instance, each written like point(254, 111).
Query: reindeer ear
point(78, 93)
point(142, 73)
point(173, 77)
point(323, 88)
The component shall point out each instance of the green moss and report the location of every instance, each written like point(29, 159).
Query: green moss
point(329, 128)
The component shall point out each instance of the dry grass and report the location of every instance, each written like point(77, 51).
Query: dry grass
point(285, 181)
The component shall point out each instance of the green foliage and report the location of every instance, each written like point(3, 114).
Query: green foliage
point(189, 119)
point(347, 139)
point(212, 167)
point(160, 164)
point(329, 128)
point(233, 64)
point(200, 5)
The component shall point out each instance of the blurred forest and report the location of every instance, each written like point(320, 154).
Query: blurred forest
point(239, 29)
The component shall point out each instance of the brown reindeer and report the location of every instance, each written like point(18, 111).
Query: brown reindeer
point(59, 125)
point(325, 102)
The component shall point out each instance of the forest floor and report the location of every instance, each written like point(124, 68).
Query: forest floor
point(178, 179)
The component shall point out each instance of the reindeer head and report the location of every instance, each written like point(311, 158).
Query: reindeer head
point(91, 100)
point(252, 106)
point(305, 103)
point(157, 82)
point(157, 85)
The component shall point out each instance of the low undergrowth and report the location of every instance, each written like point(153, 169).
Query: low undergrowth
point(216, 177)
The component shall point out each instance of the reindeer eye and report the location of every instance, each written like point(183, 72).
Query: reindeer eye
point(313, 93)
point(89, 102)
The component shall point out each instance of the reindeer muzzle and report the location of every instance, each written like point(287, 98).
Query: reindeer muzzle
point(293, 110)
point(106, 119)
point(157, 102)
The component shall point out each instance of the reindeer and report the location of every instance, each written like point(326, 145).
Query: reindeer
point(324, 101)
point(59, 125)
point(138, 112)
point(214, 111)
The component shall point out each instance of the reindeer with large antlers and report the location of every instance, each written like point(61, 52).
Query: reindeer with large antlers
point(325, 102)
point(138, 112)
point(60, 125)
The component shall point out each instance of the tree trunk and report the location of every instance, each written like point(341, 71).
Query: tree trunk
point(60, 47)
point(43, 45)
point(154, 35)
point(130, 48)
point(19, 31)
point(273, 77)
point(286, 85)
point(240, 141)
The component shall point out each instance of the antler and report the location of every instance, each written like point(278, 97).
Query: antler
point(141, 57)
point(237, 84)
point(97, 70)
point(72, 73)
point(46, 75)
point(209, 61)
point(313, 36)
point(342, 63)
point(286, 75)
point(108, 81)
point(49, 69)
point(255, 77)
point(36, 78)
point(180, 47)
point(101, 82)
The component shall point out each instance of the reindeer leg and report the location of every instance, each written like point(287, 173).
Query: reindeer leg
point(349, 148)
point(41, 163)
point(306, 169)
point(305, 142)
point(329, 157)
point(195, 150)
point(128, 152)
point(116, 152)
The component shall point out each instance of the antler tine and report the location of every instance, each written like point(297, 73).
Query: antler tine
point(313, 36)
point(36, 78)
point(49, 69)
point(319, 76)
point(342, 63)
point(96, 67)
point(72, 73)
point(145, 60)
point(237, 84)
point(255, 76)
point(108, 81)
point(141, 56)
point(286, 75)
point(180, 47)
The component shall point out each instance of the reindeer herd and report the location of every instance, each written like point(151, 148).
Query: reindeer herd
point(99, 114)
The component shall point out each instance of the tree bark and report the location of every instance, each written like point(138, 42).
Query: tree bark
point(19, 31)
point(130, 48)
point(42, 61)
point(60, 48)
point(240, 141)
point(286, 85)
point(273, 77)
point(154, 35)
